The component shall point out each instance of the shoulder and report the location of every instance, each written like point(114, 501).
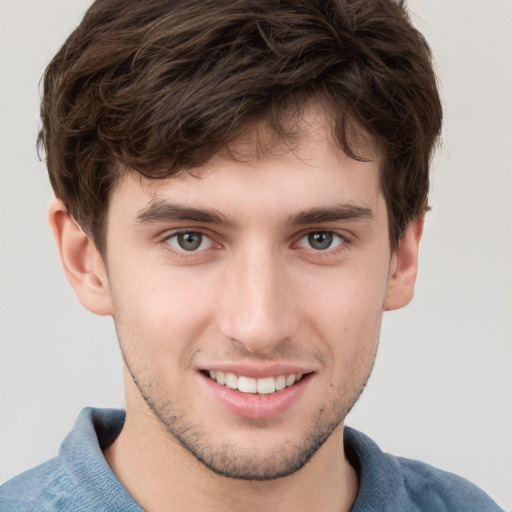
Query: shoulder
point(389, 483)
point(79, 478)
point(47, 484)
point(434, 489)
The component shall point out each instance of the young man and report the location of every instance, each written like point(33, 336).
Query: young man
point(241, 186)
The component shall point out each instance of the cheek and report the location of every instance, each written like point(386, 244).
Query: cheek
point(345, 310)
point(350, 296)
point(158, 312)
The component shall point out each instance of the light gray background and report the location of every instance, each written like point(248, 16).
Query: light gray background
point(441, 389)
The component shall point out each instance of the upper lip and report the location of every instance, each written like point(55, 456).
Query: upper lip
point(259, 371)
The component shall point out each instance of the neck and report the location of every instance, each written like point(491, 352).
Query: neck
point(156, 470)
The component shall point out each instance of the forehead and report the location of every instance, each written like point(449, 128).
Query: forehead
point(299, 130)
point(260, 172)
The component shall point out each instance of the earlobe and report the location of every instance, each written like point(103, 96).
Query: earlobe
point(81, 261)
point(404, 267)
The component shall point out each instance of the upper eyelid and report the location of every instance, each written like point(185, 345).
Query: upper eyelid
point(168, 235)
point(341, 233)
point(294, 239)
point(343, 245)
point(297, 236)
point(342, 236)
point(173, 232)
point(181, 252)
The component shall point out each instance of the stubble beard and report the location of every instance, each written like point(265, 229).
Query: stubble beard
point(233, 461)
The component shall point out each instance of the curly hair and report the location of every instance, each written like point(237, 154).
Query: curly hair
point(161, 86)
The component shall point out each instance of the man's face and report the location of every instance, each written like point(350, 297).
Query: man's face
point(255, 275)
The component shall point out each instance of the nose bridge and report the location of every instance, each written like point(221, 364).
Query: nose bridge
point(257, 308)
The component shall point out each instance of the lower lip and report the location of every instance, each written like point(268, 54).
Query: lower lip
point(256, 406)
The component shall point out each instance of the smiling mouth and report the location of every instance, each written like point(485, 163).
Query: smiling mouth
point(262, 386)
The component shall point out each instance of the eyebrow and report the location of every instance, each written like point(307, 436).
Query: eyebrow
point(332, 214)
point(162, 211)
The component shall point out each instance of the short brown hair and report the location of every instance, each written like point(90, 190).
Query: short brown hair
point(163, 85)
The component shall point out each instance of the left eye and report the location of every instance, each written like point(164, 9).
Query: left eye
point(190, 241)
point(321, 240)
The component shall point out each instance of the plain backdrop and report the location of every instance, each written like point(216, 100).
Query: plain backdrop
point(441, 388)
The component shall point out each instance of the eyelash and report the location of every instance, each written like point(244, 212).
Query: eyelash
point(344, 241)
point(184, 252)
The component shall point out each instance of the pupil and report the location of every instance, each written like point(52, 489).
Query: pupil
point(320, 240)
point(190, 241)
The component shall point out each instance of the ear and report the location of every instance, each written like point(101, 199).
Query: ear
point(404, 267)
point(81, 261)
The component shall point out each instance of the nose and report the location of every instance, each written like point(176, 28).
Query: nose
point(257, 306)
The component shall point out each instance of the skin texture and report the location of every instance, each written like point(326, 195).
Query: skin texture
point(257, 297)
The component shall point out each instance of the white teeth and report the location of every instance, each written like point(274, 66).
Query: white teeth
point(280, 382)
point(290, 379)
point(247, 385)
point(231, 381)
point(266, 385)
point(263, 386)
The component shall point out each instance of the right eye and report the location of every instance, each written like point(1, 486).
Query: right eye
point(189, 241)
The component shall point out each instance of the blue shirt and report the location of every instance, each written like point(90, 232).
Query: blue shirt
point(80, 479)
